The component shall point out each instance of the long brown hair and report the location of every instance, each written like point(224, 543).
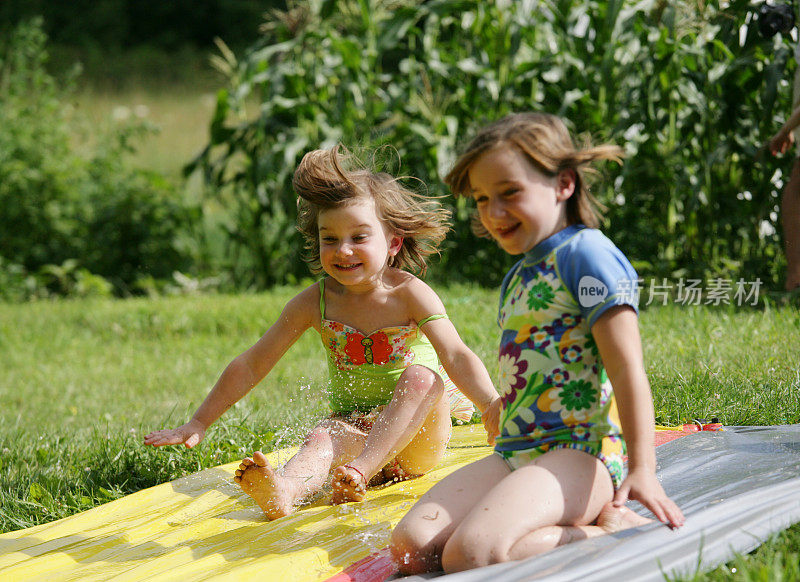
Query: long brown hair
point(546, 143)
point(330, 178)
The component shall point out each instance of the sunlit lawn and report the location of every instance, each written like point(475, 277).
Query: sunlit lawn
point(179, 117)
point(172, 93)
point(83, 380)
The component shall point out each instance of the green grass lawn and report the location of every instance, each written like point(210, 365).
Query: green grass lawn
point(172, 92)
point(179, 116)
point(83, 381)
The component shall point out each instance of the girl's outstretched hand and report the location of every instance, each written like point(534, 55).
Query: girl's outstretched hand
point(188, 434)
point(491, 420)
point(642, 486)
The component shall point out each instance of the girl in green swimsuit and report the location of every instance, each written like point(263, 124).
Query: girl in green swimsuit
point(391, 348)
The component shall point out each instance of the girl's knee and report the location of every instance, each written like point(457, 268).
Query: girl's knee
point(321, 433)
point(421, 380)
point(410, 551)
point(465, 552)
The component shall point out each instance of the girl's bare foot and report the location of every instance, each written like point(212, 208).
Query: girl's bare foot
point(613, 518)
point(349, 484)
point(270, 491)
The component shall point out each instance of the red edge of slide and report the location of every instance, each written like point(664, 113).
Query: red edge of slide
point(374, 568)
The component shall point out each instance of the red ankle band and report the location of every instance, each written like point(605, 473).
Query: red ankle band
point(357, 471)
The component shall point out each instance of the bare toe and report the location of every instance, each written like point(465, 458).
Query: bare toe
point(349, 484)
point(260, 459)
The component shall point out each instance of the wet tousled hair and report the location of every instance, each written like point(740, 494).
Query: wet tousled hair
point(332, 178)
point(546, 143)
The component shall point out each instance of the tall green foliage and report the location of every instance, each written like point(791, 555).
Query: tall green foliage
point(65, 212)
point(688, 88)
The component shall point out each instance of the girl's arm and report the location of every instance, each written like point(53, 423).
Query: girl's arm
point(244, 372)
point(781, 141)
point(616, 333)
point(465, 369)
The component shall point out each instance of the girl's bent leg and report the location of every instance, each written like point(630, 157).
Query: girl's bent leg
point(563, 487)
point(418, 414)
point(610, 520)
point(419, 538)
point(428, 445)
point(277, 492)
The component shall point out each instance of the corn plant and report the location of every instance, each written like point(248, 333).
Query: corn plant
point(688, 88)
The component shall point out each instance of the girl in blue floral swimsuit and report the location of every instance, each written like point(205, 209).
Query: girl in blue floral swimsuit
point(571, 374)
point(391, 348)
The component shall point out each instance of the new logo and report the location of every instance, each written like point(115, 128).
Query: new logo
point(591, 291)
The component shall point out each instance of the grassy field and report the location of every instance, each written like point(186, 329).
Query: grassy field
point(82, 381)
point(179, 117)
point(174, 94)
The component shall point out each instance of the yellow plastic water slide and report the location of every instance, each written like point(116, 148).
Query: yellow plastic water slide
point(203, 527)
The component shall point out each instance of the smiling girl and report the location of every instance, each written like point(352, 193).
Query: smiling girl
point(571, 374)
point(391, 348)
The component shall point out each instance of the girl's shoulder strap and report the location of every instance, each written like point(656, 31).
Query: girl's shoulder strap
point(431, 318)
point(322, 297)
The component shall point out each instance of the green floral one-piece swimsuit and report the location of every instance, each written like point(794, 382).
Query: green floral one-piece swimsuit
point(364, 368)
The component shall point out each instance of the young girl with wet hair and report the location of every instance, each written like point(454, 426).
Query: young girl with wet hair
point(393, 355)
point(571, 376)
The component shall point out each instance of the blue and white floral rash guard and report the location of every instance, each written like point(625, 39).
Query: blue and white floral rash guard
point(554, 388)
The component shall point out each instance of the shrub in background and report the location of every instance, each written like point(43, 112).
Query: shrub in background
point(65, 214)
